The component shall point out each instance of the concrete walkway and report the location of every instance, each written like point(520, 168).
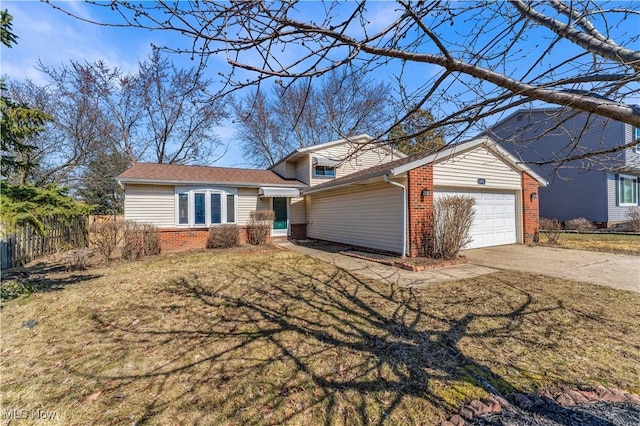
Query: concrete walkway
point(613, 270)
point(392, 274)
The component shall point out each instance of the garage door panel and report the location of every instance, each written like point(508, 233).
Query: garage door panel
point(495, 217)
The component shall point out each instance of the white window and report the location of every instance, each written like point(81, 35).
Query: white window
point(324, 171)
point(627, 190)
point(636, 137)
point(196, 207)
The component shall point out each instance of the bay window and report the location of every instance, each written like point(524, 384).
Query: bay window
point(197, 207)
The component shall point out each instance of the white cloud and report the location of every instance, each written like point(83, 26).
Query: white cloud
point(50, 36)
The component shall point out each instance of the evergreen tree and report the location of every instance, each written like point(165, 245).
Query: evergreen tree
point(410, 136)
point(18, 122)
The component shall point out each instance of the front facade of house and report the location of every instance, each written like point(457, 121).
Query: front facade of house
point(347, 191)
point(601, 189)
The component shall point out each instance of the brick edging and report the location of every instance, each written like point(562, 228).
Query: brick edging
point(405, 265)
point(567, 398)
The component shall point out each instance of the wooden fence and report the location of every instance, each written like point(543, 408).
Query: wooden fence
point(26, 244)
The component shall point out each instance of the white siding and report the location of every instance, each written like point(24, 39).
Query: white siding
point(286, 169)
point(153, 204)
point(248, 200)
point(303, 170)
point(297, 211)
point(465, 169)
point(356, 157)
point(365, 215)
point(281, 169)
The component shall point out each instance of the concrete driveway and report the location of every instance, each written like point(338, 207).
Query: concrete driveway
point(613, 270)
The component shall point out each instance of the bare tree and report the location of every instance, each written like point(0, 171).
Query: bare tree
point(305, 113)
point(476, 59)
point(178, 112)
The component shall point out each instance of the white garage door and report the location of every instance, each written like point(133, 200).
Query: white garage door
point(494, 223)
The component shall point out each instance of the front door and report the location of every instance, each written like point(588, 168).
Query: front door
point(281, 222)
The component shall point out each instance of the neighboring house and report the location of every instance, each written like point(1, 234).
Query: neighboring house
point(346, 191)
point(600, 189)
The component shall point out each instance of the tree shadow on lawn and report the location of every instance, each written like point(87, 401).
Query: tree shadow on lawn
point(39, 277)
point(321, 345)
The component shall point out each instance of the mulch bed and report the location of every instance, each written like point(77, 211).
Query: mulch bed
point(599, 406)
point(411, 264)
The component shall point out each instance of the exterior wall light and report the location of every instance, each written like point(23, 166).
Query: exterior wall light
point(534, 196)
point(425, 193)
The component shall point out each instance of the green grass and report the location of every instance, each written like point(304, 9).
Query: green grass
point(215, 338)
point(610, 243)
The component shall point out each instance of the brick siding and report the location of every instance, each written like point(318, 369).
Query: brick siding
point(176, 239)
point(420, 210)
point(530, 210)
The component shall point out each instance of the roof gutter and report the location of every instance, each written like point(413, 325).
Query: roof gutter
point(404, 213)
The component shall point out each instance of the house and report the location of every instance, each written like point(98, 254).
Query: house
point(350, 191)
point(600, 189)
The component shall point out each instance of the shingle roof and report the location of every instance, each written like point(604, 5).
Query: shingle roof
point(174, 173)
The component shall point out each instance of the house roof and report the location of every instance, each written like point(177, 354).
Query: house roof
point(359, 139)
point(403, 165)
point(182, 174)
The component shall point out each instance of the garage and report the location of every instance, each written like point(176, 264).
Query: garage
point(495, 216)
point(390, 207)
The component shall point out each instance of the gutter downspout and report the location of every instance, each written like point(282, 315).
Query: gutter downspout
point(404, 213)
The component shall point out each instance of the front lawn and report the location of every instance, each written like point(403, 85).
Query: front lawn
point(607, 242)
point(215, 338)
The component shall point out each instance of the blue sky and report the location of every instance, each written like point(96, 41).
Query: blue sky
point(52, 37)
point(55, 38)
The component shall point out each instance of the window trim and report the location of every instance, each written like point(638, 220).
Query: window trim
point(635, 135)
point(207, 191)
point(619, 179)
point(316, 175)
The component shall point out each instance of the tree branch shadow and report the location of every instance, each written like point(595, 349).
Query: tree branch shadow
point(357, 350)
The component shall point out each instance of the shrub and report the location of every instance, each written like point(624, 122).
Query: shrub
point(223, 236)
point(580, 224)
point(105, 235)
point(452, 219)
point(140, 240)
point(260, 224)
point(634, 218)
point(552, 229)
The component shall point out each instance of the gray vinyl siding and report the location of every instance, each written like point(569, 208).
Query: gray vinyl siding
point(154, 204)
point(616, 213)
point(576, 189)
point(354, 157)
point(464, 170)
point(297, 210)
point(632, 158)
point(365, 215)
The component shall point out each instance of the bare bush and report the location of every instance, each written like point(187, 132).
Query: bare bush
point(551, 228)
point(223, 236)
point(260, 224)
point(580, 224)
point(634, 218)
point(452, 219)
point(140, 240)
point(105, 235)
